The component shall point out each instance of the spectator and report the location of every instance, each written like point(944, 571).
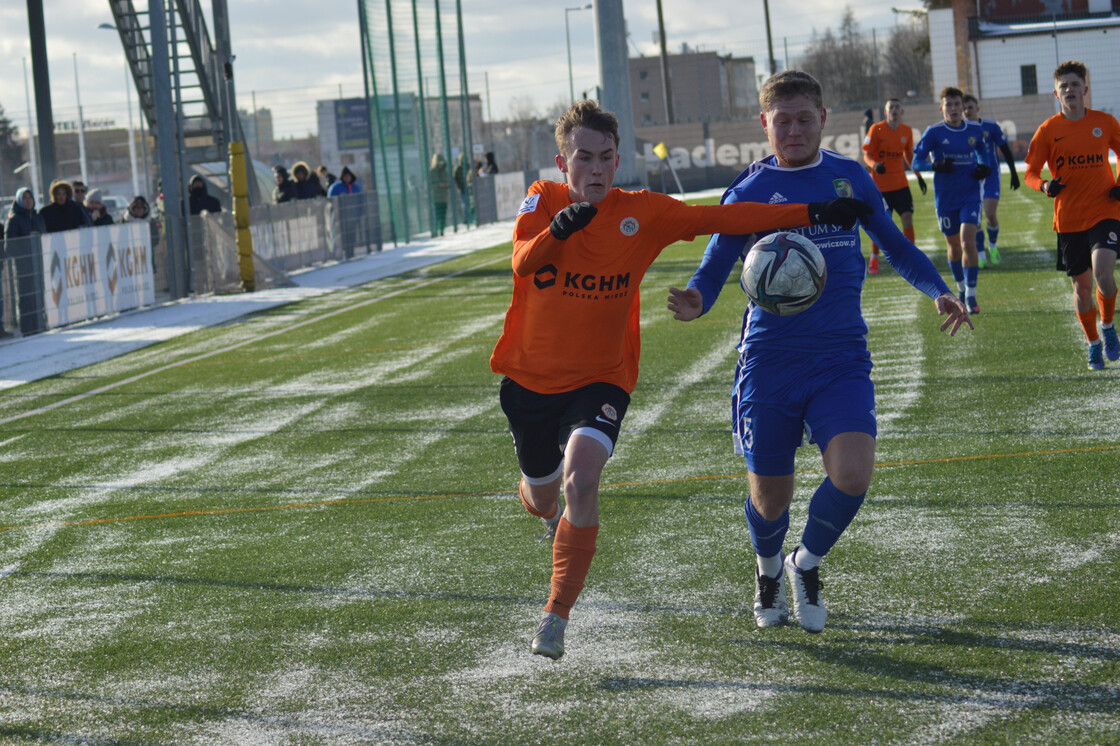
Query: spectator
point(200, 198)
point(326, 178)
point(490, 167)
point(478, 169)
point(3, 285)
point(350, 211)
point(63, 213)
point(307, 183)
point(285, 190)
point(24, 222)
point(96, 208)
point(79, 189)
point(441, 189)
point(464, 182)
point(346, 184)
point(138, 210)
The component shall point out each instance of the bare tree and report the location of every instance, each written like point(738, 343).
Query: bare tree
point(907, 70)
point(844, 63)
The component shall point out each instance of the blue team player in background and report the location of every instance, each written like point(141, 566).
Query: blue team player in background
point(956, 148)
point(810, 372)
point(994, 140)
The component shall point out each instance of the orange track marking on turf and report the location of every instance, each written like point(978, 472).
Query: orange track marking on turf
point(367, 500)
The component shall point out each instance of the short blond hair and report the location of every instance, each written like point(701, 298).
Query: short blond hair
point(589, 115)
point(790, 84)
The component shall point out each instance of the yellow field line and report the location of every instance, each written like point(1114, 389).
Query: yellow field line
point(449, 495)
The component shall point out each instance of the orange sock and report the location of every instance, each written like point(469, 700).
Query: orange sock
point(909, 233)
point(874, 250)
point(572, 550)
point(530, 508)
point(1107, 306)
point(1088, 321)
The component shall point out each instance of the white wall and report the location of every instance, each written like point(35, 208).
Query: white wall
point(943, 50)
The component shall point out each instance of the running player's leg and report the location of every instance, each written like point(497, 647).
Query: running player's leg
point(1104, 272)
point(768, 435)
point(991, 219)
point(970, 221)
point(908, 226)
point(534, 423)
point(1074, 257)
point(951, 228)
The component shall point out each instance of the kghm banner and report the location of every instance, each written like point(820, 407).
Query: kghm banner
point(97, 271)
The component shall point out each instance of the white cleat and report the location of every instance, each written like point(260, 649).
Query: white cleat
point(808, 606)
point(549, 639)
point(551, 524)
point(770, 606)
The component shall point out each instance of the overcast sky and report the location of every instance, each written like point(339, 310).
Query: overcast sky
point(291, 53)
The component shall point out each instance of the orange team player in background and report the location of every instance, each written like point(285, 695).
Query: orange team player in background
point(888, 150)
point(570, 345)
point(1074, 145)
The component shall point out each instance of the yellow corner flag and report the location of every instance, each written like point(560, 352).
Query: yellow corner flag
point(661, 151)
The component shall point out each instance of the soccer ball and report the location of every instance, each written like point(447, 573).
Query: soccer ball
point(784, 273)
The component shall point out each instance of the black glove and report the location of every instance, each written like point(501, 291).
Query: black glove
point(880, 167)
point(921, 182)
point(571, 219)
point(1114, 192)
point(1014, 180)
point(1053, 186)
point(844, 212)
point(943, 166)
point(981, 172)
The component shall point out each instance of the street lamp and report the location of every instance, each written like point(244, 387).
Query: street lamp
point(568, 32)
point(128, 99)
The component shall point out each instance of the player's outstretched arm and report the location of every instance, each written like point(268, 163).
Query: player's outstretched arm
point(950, 305)
point(687, 304)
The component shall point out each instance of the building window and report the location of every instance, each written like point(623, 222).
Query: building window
point(644, 97)
point(1029, 76)
point(643, 74)
point(647, 120)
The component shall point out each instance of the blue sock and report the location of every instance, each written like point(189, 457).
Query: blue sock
point(958, 271)
point(766, 536)
point(830, 512)
point(970, 275)
point(993, 234)
point(979, 240)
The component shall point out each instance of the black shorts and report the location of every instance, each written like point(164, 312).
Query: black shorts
point(1075, 250)
point(899, 200)
point(541, 423)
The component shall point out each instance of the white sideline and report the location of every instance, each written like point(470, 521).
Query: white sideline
point(23, 360)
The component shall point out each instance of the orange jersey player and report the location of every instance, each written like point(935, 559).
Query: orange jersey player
point(569, 348)
point(888, 150)
point(1074, 145)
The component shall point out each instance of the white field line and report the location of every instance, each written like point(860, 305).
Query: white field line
point(898, 356)
point(267, 335)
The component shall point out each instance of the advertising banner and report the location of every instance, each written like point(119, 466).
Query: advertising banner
point(97, 271)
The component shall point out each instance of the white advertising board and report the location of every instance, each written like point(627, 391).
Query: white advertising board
point(97, 271)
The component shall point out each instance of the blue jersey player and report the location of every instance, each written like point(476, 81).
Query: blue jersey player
point(994, 140)
point(809, 372)
point(955, 147)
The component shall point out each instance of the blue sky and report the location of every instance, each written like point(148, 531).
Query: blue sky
point(291, 53)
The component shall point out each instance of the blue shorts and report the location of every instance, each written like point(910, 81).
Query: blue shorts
point(778, 395)
point(951, 219)
point(989, 187)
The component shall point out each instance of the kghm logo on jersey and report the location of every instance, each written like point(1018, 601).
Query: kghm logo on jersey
point(545, 277)
point(628, 226)
point(843, 188)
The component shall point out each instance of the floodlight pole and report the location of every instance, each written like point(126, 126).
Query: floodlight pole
point(568, 33)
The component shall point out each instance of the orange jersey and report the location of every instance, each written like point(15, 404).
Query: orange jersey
point(574, 315)
point(1077, 152)
point(895, 149)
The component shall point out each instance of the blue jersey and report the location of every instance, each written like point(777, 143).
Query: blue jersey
point(835, 321)
point(963, 145)
point(994, 139)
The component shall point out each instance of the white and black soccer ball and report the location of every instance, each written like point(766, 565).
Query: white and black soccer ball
point(784, 273)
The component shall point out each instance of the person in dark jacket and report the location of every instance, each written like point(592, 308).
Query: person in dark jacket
point(326, 178)
point(285, 190)
point(307, 183)
point(63, 213)
point(491, 166)
point(200, 198)
point(23, 224)
point(96, 208)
